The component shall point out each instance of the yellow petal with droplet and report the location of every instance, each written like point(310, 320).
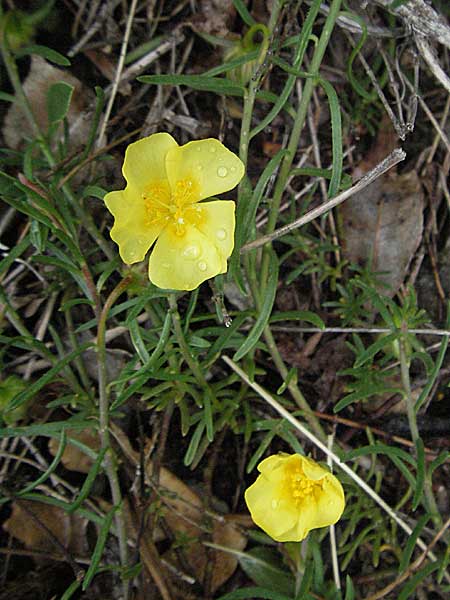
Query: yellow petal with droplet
point(267, 504)
point(145, 160)
point(131, 231)
point(213, 168)
point(217, 224)
point(183, 262)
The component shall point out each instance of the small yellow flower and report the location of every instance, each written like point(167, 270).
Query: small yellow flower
point(161, 202)
point(293, 495)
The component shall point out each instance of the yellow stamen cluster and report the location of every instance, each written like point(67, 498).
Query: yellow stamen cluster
point(300, 487)
point(176, 209)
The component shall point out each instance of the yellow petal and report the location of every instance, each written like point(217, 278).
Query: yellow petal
point(330, 503)
point(145, 160)
point(217, 225)
point(306, 517)
point(183, 262)
point(269, 509)
point(293, 495)
point(313, 470)
point(271, 463)
point(130, 231)
point(211, 166)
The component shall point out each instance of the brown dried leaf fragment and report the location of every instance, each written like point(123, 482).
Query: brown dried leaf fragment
point(384, 225)
point(41, 77)
point(69, 530)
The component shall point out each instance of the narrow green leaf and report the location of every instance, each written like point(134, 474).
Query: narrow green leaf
point(88, 482)
point(251, 209)
point(243, 12)
point(218, 85)
point(45, 429)
point(410, 587)
point(433, 375)
point(349, 589)
point(264, 566)
point(47, 377)
point(7, 97)
point(14, 253)
point(99, 546)
point(71, 590)
point(374, 348)
point(266, 309)
point(59, 96)
point(51, 468)
point(298, 315)
point(411, 543)
point(45, 52)
point(232, 64)
point(138, 342)
point(300, 49)
point(336, 137)
point(194, 443)
point(364, 391)
point(249, 593)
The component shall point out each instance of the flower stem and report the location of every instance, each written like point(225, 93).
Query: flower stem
point(184, 347)
point(298, 127)
point(110, 458)
point(430, 501)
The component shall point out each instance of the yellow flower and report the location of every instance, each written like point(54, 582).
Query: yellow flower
point(165, 184)
point(293, 495)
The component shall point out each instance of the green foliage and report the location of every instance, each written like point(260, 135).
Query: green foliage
point(168, 358)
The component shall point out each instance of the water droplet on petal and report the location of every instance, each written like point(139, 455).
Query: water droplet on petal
point(233, 169)
point(165, 265)
point(274, 504)
point(221, 234)
point(202, 265)
point(200, 167)
point(222, 171)
point(212, 149)
point(191, 252)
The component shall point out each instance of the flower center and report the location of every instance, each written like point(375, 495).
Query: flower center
point(174, 208)
point(300, 487)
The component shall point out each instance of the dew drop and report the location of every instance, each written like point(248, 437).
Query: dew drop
point(199, 167)
point(165, 265)
point(233, 169)
point(202, 265)
point(221, 234)
point(212, 150)
point(191, 252)
point(274, 504)
point(222, 171)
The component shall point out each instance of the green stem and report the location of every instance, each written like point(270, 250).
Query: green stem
point(110, 459)
point(293, 388)
point(184, 347)
point(430, 501)
point(298, 127)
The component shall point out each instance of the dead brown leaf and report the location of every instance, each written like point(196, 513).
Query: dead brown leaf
point(73, 458)
point(384, 224)
point(69, 530)
point(186, 516)
point(41, 76)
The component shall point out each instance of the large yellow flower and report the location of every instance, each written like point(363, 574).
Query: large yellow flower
point(293, 495)
point(165, 184)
